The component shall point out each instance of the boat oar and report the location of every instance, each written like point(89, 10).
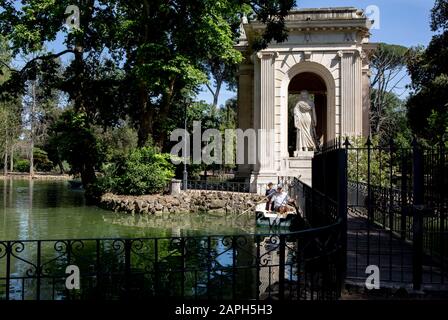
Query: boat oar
point(295, 207)
point(254, 206)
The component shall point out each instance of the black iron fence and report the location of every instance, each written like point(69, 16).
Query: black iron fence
point(398, 204)
point(304, 265)
point(316, 208)
point(216, 185)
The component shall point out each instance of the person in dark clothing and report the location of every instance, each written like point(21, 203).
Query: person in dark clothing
point(270, 191)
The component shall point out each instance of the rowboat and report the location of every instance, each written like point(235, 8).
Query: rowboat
point(274, 220)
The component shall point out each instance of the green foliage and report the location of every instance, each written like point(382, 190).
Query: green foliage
point(117, 142)
point(428, 104)
point(134, 60)
point(388, 64)
point(76, 143)
point(10, 106)
point(41, 161)
point(22, 166)
point(439, 15)
point(391, 120)
point(143, 171)
point(358, 164)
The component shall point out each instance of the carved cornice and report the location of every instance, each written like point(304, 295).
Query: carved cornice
point(267, 55)
point(341, 53)
point(307, 55)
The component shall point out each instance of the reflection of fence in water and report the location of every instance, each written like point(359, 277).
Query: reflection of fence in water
point(295, 266)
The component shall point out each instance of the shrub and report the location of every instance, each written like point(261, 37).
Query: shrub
point(143, 171)
point(22, 165)
point(41, 160)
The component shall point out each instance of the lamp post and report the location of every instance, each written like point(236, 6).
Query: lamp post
point(185, 175)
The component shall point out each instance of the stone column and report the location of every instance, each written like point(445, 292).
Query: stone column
point(267, 112)
point(264, 120)
point(366, 91)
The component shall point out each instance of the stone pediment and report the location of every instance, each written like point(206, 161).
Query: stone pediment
point(325, 14)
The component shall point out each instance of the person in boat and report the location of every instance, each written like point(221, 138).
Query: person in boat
point(281, 200)
point(270, 191)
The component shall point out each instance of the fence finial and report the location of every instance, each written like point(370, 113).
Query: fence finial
point(347, 143)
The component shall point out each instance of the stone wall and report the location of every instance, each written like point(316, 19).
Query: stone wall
point(37, 176)
point(215, 202)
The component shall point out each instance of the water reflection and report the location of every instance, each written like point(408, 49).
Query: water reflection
point(50, 210)
point(193, 223)
point(218, 265)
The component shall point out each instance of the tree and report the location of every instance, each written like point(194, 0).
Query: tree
point(136, 58)
point(173, 42)
point(10, 111)
point(428, 103)
point(388, 67)
point(394, 121)
point(40, 103)
point(220, 73)
point(77, 143)
point(89, 80)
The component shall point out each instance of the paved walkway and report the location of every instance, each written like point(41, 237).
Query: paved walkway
point(374, 246)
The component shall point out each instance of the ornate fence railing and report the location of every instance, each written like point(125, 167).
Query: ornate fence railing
point(315, 207)
point(304, 265)
point(401, 194)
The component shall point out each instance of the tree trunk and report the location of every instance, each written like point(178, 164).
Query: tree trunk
point(11, 158)
point(33, 109)
point(146, 119)
point(162, 137)
point(216, 93)
point(5, 168)
point(144, 126)
point(61, 167)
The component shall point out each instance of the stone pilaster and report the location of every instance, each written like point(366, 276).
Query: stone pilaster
point(245, 109)
point(264, 120)
point(366, 91)
point(351, 93)
point(267, 112)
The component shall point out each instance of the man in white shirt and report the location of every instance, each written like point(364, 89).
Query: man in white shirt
point(281, 200)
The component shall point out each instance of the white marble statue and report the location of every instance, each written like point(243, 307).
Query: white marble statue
point(305, 122)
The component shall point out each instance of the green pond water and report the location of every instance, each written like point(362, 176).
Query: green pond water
point(37, 210)
point(41, 210)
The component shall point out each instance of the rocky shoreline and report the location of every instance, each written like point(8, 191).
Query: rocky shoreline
point(37, 176)
point(215, 202)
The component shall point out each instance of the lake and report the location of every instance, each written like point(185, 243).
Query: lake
point(225, 259)
point(42, 210)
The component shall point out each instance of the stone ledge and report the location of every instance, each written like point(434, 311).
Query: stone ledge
point(215, 202)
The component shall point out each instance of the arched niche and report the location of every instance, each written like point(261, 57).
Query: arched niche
point(319, 81)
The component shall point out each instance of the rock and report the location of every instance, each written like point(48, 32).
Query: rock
point(217, 204)
point(138, 205)
point(145, 210)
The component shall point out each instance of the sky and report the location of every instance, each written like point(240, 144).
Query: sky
point(403, 22)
